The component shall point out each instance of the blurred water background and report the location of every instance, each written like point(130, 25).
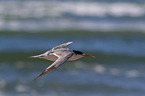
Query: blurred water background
point(111, 30)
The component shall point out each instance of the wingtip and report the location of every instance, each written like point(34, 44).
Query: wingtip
point(70, 42)
point(35, 79)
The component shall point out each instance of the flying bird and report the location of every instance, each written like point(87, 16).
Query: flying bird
point(60, 54)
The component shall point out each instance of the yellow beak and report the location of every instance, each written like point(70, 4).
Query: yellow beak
point(87, 55)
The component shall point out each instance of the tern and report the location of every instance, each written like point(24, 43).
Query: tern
point(60, 54)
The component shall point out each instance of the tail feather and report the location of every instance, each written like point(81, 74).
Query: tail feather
point(36, 56)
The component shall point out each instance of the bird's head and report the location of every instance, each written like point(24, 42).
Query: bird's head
point(82, 54)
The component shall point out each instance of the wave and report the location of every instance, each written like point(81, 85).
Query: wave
point(31, 15)
point(40, 9)
point(18, 80)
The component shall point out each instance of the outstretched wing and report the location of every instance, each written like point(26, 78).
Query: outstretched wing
point(62, 45)
point(56, 64)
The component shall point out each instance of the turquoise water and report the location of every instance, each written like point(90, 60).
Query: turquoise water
point(117, 70)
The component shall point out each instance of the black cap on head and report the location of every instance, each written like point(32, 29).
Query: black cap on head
point(78, 52)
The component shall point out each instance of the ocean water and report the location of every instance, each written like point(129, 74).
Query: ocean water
point(117, 70)
point(111, 30)
point(68, 14)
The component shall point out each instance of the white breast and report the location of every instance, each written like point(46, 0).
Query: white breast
point(54, 58)
point(75, 57)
